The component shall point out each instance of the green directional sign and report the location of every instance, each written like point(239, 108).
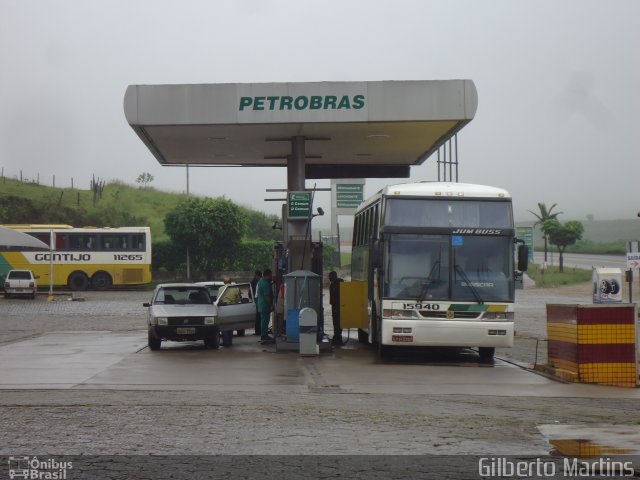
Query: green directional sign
point(526, 234)
point(299, 204)
point(349, 195)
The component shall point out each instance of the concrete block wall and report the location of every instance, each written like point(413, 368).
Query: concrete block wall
point(593, 343)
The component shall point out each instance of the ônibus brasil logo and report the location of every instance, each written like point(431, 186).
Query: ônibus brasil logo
point(34, 468)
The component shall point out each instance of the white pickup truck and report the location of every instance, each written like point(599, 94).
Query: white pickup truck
point(20, 282)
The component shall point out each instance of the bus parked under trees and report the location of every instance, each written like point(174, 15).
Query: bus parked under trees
point(438, 259)
point(84, 257)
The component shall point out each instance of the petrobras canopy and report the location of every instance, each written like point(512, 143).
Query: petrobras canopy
point(345, 123)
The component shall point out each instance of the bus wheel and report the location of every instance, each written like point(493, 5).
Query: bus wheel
point(363, 337)
point(78, 281)
point(486, 353)
point(101, 281)
point(384, 351)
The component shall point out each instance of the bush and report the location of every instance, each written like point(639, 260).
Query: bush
point(252, 254)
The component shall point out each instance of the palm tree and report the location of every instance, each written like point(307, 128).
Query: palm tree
point(542, 217)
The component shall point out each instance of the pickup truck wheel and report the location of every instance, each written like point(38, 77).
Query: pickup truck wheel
point(486, 354)
point(154, 342)
point(213, 342)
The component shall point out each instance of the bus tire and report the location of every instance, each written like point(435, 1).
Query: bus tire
point(101, 281)
point(78, 281)
point(374, 326)
point(153, 341)
point(363, 337)
point(486, 354)
point(384, 351)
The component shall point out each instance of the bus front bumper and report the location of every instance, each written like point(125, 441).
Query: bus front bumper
point(447, 333)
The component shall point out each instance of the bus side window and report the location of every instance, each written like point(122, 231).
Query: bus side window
point(137, 242)
point(75, 242)
point(43, 237)
point(91, 242)
point(61, 241)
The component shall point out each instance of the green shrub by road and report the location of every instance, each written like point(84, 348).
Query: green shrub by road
point(551, 277)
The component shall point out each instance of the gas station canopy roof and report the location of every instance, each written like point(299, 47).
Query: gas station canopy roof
point(351, 129)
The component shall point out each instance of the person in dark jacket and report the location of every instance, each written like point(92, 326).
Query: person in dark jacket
point(334, 300)
point(254, 289)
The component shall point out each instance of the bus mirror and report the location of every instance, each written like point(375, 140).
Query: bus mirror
point(523, 258)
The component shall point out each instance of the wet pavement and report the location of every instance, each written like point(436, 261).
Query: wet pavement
point(77, 378)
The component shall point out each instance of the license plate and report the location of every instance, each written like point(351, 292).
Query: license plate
point(401, 338)
point(185, 331)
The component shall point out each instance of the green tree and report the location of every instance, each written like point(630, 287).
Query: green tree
point(211, 229)
point(563, 235)
point(260, 225)
point(252, 254)
point(144, 179)
point(167, 257)
point(544, 215)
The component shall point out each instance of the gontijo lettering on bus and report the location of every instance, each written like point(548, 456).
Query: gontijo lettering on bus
point(303, 102)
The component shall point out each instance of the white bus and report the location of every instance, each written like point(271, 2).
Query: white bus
point(438, 260)
point(84, 257)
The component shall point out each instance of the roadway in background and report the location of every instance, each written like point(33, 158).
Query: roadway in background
point(582, 260)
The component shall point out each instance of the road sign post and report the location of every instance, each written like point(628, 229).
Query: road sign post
point(299, 205)
point(349, 195)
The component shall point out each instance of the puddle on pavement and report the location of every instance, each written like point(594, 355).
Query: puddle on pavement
point(592, 440)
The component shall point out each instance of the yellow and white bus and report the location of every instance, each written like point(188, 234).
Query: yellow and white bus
point(438, 260)
point(83, 257)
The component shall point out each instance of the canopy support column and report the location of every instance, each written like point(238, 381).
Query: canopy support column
point(297, 230)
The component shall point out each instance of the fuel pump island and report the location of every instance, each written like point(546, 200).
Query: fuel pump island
point(316, 130)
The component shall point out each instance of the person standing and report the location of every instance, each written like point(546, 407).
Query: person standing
point(334, 300)
point(230, 296)
point(279, 311)
point(254, 290)
point(265, 305)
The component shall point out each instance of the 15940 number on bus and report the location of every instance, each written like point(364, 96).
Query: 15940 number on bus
point(421, 306)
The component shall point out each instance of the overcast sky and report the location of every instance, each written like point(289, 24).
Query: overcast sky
point(558, 86)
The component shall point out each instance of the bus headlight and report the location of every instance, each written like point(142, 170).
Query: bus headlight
point(162, 321)
point(209, 320)
point(399, 314)
point(498, 316)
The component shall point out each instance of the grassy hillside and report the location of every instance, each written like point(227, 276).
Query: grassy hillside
point(119, 204)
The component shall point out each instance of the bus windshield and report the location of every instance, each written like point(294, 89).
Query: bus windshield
point(448, 268)
point(462, 213)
